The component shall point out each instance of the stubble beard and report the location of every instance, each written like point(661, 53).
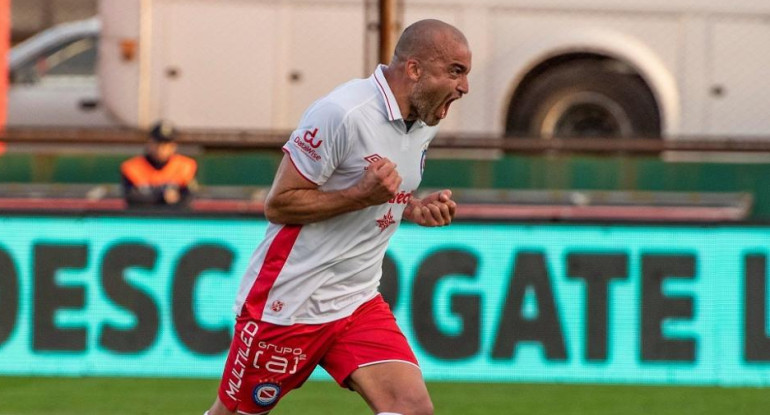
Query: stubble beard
point(424, 104)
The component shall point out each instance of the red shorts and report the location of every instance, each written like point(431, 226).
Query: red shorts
point(266, 361)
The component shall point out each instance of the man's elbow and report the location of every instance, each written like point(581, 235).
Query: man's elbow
point(274, 213)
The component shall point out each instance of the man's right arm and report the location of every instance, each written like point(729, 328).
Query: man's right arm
point(295, 200)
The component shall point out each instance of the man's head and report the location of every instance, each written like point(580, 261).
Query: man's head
point(435, 59)
point(161, 145)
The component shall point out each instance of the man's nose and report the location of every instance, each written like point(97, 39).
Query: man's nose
point(463, 86)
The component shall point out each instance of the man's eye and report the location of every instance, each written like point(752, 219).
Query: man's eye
point(457, 70)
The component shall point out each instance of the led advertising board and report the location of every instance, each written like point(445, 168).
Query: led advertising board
point(133, 296)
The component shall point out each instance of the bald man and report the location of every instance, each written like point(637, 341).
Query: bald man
point(348, 177)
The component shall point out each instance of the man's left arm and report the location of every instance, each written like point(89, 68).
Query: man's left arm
point(436, 209)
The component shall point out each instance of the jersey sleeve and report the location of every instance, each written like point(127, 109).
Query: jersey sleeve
point(318, 145)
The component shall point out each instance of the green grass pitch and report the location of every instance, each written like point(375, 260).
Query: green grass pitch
point(117, 396)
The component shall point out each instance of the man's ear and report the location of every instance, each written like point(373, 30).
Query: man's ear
point(413, 69)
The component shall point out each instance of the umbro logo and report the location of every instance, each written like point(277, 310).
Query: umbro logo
point(372, 158)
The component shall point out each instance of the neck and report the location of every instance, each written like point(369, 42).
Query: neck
point(158, 164)
point(399, 85)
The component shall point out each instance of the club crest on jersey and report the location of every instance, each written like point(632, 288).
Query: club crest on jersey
point(308, 143)
point(265, 394)
point(277, 306)
point(387, 220)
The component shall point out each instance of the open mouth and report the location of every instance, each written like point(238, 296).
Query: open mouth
point(445, 108)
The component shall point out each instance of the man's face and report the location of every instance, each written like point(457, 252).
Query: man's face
point(161, 151)
point(443, 79)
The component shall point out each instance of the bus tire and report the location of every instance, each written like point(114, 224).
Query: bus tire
point(587, 98)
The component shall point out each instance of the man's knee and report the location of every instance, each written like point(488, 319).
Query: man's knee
point(424, 407)
point(404, 402)
point(416, 404)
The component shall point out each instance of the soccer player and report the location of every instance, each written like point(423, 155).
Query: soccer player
point(349, 174)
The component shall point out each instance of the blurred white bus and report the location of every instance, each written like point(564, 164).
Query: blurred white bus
point(547, 68)
point(564, 68)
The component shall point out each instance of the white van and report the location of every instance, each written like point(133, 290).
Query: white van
point(53, 80)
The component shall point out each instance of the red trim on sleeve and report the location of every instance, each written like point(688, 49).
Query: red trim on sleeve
point(296, 168)
point(275, 259)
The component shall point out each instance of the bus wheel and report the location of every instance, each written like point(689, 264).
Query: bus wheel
point(598, 99)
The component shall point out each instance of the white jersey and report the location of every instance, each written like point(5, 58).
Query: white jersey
point(321, 272)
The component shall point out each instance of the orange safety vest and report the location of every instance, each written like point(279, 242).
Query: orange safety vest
point(180, 170)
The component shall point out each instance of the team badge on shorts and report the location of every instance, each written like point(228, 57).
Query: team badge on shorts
point(265, 394)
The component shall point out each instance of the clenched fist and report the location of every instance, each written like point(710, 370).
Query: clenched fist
point(437, 209)
point(380, 183)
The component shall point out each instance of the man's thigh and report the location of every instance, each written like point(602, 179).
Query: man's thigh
point(372, 357)
point(370, 337)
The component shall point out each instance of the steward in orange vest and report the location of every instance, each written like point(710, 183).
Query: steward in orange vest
point(160, 177)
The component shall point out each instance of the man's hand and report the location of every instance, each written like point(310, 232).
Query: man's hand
point(171, 195)
point(379, 184)
point(437, 209)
